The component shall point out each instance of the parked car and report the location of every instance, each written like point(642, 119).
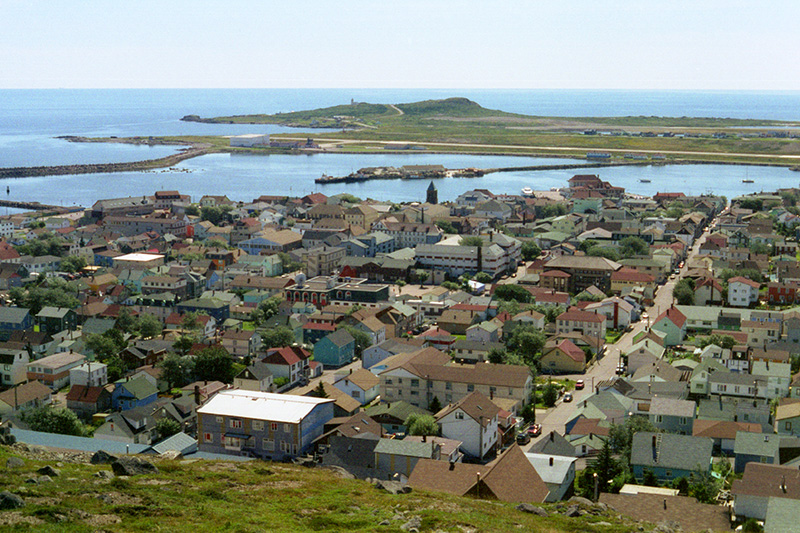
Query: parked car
point(579, 384)
point(535, 430)
point(523, 438)
point(620, 369)
point(568, 397)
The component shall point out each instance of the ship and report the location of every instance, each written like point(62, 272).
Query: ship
point(527, 191)
point(644, 181)
point(748, 181)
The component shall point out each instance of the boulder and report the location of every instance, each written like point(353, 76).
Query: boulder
point(14, 462)
point(171, 455)
point(528, 508)
point(392, 487)
point(581, 501)
point(132, 466)
point(102, 458)
point(10, 501)
point(49, 471)
point(412, 525)
point(44, 479)
point(573, 511)
point(104, 474)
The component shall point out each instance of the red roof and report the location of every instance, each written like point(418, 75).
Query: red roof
point(319, 327)
point(577, 315)
point(631, 274)
point(554, 274)
point(675, 316)
point(740, 279)
point(288, 355)
point(574, 353)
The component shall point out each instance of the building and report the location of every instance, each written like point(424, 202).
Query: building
point(24, 397)
point(323, 290)
point(13, 366)
point(584, 271)
point(362, 385)
point(472, 420)
point(760, 484)
point(261, 424)
point(250, 140)
point(89, 375)
point(335, 349)
point(584, 322)
point(742, 292)
point(53, 370)
point(432, 195)
point(669, 456)
point(563, 357)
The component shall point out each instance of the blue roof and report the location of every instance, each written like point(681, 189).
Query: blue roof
point(79, 444)
point(180, 442)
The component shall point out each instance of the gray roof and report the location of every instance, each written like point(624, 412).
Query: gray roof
point(180, 442)
point(553, 444)
point(340, 337)
point(423, 450)
point(681, 452)
point(672, 407)
point(13, 315)
point(53, 312)
point(762, 445)
point(81, 444)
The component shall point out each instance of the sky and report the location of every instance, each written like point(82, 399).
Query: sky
point(537, 44)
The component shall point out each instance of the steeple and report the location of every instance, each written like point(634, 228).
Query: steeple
point(433, 194)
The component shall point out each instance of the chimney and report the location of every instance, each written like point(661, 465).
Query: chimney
point(654, 441)
point(424, 438)
point(665, 503)
point(491, 394)
point(552, 436)
point(551, 461)
point(783, 484)
point(197, 394)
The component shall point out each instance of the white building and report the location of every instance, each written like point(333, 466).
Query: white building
point(89, 375)
point(499, 254)
point(557, 472)
point(13, 367)
point(361, 384)
point(742, 292)
point(473, 421)
point(250, 140)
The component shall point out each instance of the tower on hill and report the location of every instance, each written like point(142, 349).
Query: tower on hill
point(433, 194)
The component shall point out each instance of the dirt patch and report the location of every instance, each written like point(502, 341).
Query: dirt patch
point(103, 520)
point(14, 518)
point(116, 498)
point(155, 482)
point(43, 501)
point(220, 467)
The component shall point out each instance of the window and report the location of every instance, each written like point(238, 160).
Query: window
point(273, 426)
point(208, 437)
point(415, 383)
point(268, 445)
point(459, 415)
point(658, 419)
point(236, 423)
point(258, 425)
point(287, 428)
point(219, 420)
point(286, 447)
point(448, 386)
point(787, 426)
point(470, 387)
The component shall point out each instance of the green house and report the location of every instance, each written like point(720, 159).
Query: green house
point(336, 349)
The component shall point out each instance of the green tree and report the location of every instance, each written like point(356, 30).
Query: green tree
point(216, 214)
point(183, 344)
point(418, 424)
point(512, 291)
point(192, 210)
point(213, 364)
point(496, 356)
point(363, 341)
point(530, 251)
point(73, 263)
point(266, 310)
point(684, 292)
point(276, 337)
point(649, 478)
point(470, 240)
point(44, 244)
point(319, 391)
point(483, 277)
point(603, 251)
point(723, 341)
point(53, 293)
point(126, 321)
point(527, 341)
point(587, 245)
point(106, 345)
point(149, 326)
point(451, 285)
point(621, 435)
point(631, 246)
point(288, 264)
point(167, 427)
point(54, 420)
point(550, 394)
point(435, 405)
point(446, 226)
point(703, 487)
point(177, 370)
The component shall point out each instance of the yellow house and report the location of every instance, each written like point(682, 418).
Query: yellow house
point(564, 357)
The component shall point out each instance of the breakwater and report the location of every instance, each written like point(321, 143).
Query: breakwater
point(101, 168)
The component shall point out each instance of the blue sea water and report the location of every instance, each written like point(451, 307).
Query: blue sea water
point(31, 121)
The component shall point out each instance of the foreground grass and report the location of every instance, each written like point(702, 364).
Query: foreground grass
point(254, 496)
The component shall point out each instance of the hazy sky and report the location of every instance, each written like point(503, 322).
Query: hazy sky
point(637, 44)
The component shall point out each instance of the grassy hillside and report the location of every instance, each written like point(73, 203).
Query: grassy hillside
point(256, 496)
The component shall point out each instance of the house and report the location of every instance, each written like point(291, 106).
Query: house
point(290, 362)
point(343, 403)
point(129, 394)
point(392, 416)
point(89, 375)
point(669, 456)
point(778, 377)
point(557, 472)
point(672, 415)
point(261, 424)
point(395, 456)
point(53, 370)
point(723, 433)
point(87, 400)
point(787, 418)
point(362, 385)
point(468, 351)
point(555, 444)
point(755, 447)
point(509, 478)
point(241, 343)
point(255, 377)
point(375, 354)
point(760, 484)
point(563, 357)
point(686, 512)
point(55, 319)
point(336, 349)
point(673, 323)
point(742, 292)
point(14, 319)
point(473, 421)
point(587, 323)
point(23, 397)
point(13, 366)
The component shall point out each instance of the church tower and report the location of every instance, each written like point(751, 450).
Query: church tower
point(433, 194)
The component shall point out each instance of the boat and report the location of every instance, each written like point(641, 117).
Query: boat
point(748, 181)
point(527, 191)
point(644, 181)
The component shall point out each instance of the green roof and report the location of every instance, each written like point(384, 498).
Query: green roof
point(139, 387)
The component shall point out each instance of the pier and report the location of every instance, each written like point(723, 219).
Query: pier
point(36, 206)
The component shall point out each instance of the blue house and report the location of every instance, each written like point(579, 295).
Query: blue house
point(14, 319)
point(336, 349)
point(134, 393)
point(669, 456)
point(755, 448)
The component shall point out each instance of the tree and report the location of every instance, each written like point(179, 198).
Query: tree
point(586, 245)
point(605, 466)
point(620, 436)
point(55, 420)
point(512, 291)
point(266, 310)
point(44, 244)
point(277, 337)
point(192, 210)
point(550, 394)
point(483, 277)
point(446, 226)
point(319, 391)
point(530, 251)
point(631, 246)
point(149, 326)
point(167, 427)
point(216, 214)
point(703, 487)
point(72, 263)
point(177, 370)
point(288, 264)
point(451, 285)
point(649, 478)
point(183, 344)
point(54, 292)
point(190, 322)
point(470, 240)
point(435, 405)
point(126, 321)
point(603, 251)
point(496, 356)
point(526, 341)
point(106, 345)
point(723, 341)
point(363, 341)
point(418, 424)
point(684, 292)
point(213, 364)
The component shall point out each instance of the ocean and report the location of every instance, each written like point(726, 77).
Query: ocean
point(32, 120)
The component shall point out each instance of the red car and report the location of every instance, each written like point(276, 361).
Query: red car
point(579, 384)
point(535, 430)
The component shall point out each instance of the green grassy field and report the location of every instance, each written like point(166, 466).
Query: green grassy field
point(255, 496)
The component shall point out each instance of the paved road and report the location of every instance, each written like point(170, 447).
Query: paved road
point(555, 418)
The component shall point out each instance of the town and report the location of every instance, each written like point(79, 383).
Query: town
point(585, 345)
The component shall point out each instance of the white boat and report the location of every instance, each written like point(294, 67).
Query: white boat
point(527, 191)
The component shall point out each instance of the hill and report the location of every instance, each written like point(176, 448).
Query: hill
point(254, 496)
